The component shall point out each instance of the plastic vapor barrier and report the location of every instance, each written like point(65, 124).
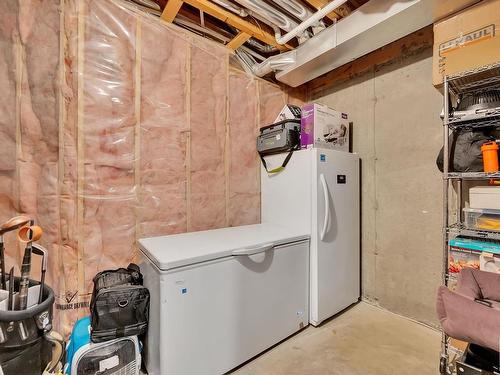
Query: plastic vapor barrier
point(115, 126)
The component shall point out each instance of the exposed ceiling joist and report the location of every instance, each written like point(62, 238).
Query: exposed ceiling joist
point(237, 22)
point(238, 40)
point(171, 10)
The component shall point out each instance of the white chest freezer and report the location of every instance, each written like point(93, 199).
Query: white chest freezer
point(220, 297)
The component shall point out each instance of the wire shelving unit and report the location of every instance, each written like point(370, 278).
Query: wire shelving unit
point(467, 82)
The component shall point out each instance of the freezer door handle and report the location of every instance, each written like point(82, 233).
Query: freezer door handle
point(327, 206)
point(253, 250)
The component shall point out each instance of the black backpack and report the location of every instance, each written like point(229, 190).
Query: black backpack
point(119, 305)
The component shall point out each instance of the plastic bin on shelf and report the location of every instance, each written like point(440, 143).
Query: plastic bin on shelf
point(482, 219)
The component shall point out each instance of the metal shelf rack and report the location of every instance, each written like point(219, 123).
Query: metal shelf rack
point(491, 120)
point(472, 81)
point(472, 176)
point(458, 229)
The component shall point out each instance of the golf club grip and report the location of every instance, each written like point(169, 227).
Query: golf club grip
point(25, 280)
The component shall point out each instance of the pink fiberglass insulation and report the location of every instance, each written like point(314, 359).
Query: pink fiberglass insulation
point(209, 72)
point(108, 126)
point(114, 127)
point(271, 100)
point(244, 172)
point(39, 25)
point(8, 120)
point(163, 135)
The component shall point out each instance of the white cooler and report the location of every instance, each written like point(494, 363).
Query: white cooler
point(220, 297)
point(485, 197)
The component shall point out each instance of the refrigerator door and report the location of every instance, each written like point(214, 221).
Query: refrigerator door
point(335, 253)
point(218, 314)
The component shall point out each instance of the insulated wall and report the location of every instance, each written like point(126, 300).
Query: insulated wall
point(115, 126)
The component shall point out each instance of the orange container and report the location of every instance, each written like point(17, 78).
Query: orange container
point(490, 156)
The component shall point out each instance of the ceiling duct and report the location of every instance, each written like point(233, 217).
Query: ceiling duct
point(371, 26)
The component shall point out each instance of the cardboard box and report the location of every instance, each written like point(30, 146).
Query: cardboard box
point(460, 258)
point(487, 197)
point(467, 41)
point(324, 127)
point(489, 262)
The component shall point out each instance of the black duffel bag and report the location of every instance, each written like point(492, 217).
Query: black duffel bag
point(465, 151)
point(119, 305)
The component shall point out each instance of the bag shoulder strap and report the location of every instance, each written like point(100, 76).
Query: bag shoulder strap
point(280, 168)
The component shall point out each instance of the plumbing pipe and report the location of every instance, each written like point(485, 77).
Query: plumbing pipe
point(264, 48)
point(299, 11)
point(294, 8)
point(270, 14)
point(231, 7)
point(309, 22)
point(274, 63)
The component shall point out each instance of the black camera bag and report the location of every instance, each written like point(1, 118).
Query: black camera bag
point(119, 305)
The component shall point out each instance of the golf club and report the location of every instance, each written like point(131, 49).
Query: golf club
point(10, 301)
point(10, 225)
point(40, 250)
point(27, 235)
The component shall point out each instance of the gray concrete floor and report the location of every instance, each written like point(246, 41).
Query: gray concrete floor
point(364, 340)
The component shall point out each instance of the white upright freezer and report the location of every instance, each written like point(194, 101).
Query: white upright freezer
point(222, 296)
point(318, 192)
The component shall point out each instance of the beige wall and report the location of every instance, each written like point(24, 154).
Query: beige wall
point(397, 132)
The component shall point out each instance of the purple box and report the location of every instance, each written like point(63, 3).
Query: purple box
point(324, 127)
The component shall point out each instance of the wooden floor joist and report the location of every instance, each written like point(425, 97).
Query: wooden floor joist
point(238, 40)
point(171, 10)
point(237, 22)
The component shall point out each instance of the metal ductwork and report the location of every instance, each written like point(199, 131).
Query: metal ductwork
point(373, 25)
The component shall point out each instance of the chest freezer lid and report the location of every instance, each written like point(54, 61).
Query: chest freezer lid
point(184, 249)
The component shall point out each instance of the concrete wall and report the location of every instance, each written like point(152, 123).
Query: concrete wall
point(397, 132)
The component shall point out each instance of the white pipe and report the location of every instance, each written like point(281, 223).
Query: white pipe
point(270, 14)
point(273, 63)
point(231, 7)
point(295, 8)
point(309, 22)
